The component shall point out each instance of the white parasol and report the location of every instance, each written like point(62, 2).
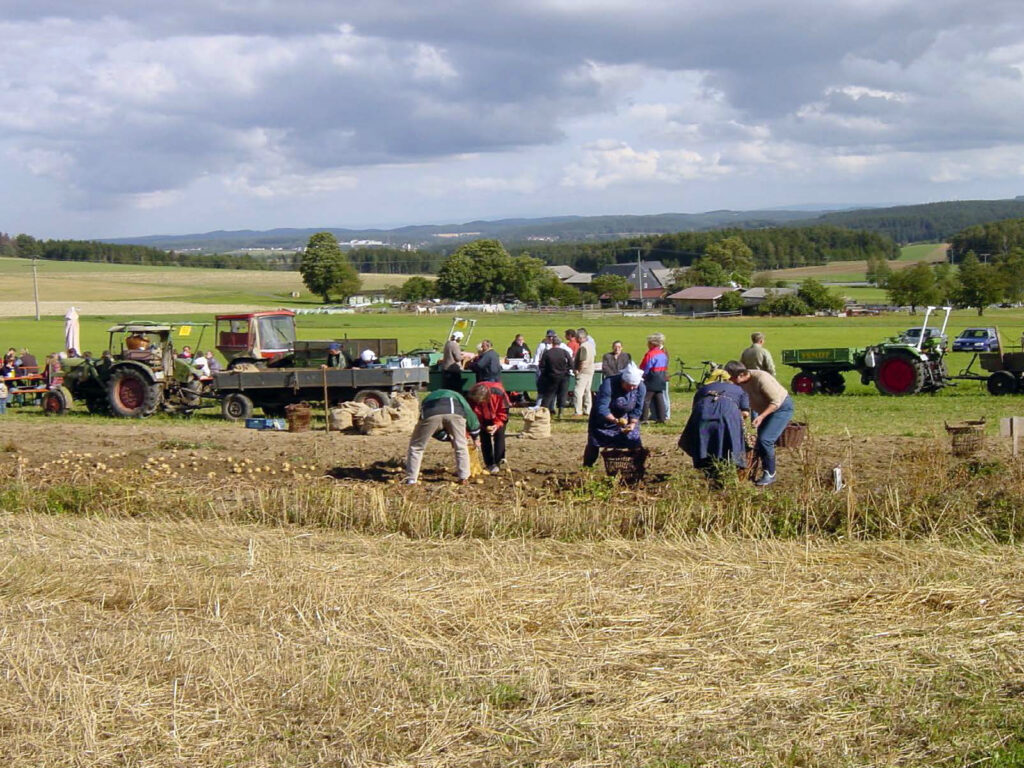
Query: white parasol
point(71, 340)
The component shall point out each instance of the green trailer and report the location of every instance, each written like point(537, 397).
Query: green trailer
point(821, 370)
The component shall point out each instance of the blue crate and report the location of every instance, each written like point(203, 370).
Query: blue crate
point(262, 423)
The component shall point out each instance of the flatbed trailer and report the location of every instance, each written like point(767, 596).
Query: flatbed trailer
point(822, 369)
point(242, 390)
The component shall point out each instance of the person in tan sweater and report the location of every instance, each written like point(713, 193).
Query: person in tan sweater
point(774, 408)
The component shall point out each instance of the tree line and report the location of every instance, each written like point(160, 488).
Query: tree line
point(931, 222)
point(27, 247)
point(772, 248)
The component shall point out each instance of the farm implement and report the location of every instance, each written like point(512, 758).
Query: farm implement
point(896, 367)
point(1004, 371)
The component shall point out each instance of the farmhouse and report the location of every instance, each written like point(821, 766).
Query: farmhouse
point(699, 298)
point(754, 297)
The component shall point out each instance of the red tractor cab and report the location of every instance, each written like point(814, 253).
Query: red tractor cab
point(255, 336)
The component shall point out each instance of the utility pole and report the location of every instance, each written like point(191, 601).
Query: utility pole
point(35, 285)
point(640, 277)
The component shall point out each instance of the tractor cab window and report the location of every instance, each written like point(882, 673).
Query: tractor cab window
point(277, 334)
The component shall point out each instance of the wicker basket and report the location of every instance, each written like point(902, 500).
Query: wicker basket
point(298, 416)
point(967, 437)
point(627, 464)
point(793, 435)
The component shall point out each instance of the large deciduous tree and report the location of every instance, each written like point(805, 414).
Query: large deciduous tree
point(980, 284)
point(914, 286)
point(325, 270)
point(615, 288)
point(484, 271)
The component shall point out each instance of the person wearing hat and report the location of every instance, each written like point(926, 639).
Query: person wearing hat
point(773, 406)
point(334, 357)
point(366, 359)
point(615, 416)
point(451, 363)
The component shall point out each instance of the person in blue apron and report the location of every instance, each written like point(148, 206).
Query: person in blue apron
point(615, 416)
point(713, 436)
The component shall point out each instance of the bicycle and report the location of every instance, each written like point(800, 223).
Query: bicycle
point(685, 381)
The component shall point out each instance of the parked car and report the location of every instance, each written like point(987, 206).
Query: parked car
point(977, 340)
point(912, 335)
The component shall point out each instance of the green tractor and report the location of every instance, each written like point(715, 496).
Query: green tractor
point(895, 366)
point(138, 374)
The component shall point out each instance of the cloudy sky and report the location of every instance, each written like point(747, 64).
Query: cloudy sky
point(121, 117)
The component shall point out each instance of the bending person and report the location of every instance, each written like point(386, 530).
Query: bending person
point(773, 406)
point(714, 431)
point(615, 416)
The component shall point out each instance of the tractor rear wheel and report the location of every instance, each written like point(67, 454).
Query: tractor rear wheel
point(833, 383)
point(131, 395)
point(236, 406)
point(805, 383)
point(57, 402)
point(1001, 383)
point(374, 398)
point(899, 373)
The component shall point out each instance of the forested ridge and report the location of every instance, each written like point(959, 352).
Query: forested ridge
point(995, 238)
point(773, 248)
point(930, 222)
point(27, 247)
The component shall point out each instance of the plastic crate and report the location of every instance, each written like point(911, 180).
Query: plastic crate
point(278, 425)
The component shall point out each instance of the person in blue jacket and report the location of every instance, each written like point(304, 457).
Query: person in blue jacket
point(713, 434)
point(615, 415)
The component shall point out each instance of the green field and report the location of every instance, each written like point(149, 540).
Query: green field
point(860, 410)
point(855, 271)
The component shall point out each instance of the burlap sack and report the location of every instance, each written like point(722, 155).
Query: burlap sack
point(397, 419)
point(536, 423)
point(345, 415)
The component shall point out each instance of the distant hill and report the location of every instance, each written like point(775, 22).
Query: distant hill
point(558, 228)
point(930, 222)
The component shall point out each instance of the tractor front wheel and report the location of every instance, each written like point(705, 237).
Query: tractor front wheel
point(899, 374)
point(131, 394)
point(1001, 383)
point(236, 406)
point(805, 383)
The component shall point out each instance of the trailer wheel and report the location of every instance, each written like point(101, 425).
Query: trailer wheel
point(1001, 383)
point(833, 383)
point(236, 406)
point(899, 374)
point(131, 395)
point(374, 398)
point(57, 402)
point(805, 383)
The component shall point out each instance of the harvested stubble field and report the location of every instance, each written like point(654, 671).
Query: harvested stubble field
point(200, 594)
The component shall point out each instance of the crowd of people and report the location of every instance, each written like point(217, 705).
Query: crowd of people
point(745, 391)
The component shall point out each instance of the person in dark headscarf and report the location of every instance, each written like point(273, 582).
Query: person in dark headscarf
point(615, 415)
point(713, 435)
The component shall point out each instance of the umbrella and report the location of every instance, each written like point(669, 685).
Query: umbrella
point(71, 340)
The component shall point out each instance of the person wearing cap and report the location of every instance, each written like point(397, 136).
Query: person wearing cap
point(615, 417)
point(451, 363)
point(544, 346)
point(486, 366)
point(366, 359)
point(774, 408)
point(334, 357)
point(442, 410)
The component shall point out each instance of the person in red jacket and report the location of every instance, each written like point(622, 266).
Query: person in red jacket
point(490, 404)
